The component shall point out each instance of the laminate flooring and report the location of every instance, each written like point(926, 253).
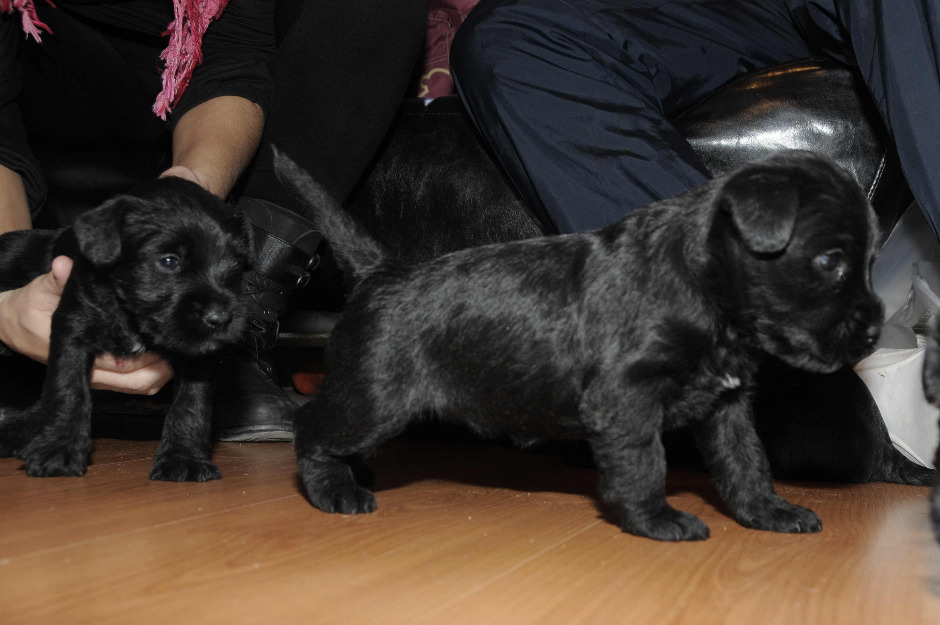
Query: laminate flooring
point(464, 533)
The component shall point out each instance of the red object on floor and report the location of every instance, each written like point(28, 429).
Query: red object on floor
point(307, 377)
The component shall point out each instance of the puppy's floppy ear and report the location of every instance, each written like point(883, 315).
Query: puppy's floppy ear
point(98, 232)
point(763, 206)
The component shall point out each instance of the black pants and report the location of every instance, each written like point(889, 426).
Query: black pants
point(574, 95)
point(341, 72)
point(340, 77)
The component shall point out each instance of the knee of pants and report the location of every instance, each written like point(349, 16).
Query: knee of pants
point(501, 38)
point(507, 45)
point(470, 52)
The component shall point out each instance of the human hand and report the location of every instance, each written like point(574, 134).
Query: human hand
point(25, 326)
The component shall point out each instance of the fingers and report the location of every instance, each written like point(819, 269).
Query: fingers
point(26, 313)
point(138, 375)
point(125, 364)
point(61, 268)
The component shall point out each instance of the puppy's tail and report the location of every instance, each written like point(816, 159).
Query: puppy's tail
point(357, 253)
point(897, 469)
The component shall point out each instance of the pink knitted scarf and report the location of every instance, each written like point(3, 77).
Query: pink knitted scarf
point(181, 56)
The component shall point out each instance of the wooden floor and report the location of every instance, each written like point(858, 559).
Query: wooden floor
point(464, 534)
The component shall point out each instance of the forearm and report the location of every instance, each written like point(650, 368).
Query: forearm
point(214, 142)
point(14, 208)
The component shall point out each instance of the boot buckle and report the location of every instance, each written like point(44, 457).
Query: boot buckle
point(303, 274)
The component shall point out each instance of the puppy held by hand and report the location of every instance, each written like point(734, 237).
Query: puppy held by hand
point(158, 269)
point(612, 336)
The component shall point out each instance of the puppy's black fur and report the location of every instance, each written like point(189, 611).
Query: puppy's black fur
point(612, 336)
point(932, 393)
point(158, 269)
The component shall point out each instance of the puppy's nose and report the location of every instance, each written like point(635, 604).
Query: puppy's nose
point(216, 317)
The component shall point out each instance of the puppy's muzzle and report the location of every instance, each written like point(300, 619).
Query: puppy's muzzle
point(216, 317)
point(864, 327)
point(212, 316)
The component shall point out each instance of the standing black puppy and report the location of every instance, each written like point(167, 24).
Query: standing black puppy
point(932, 393)
point(653, 323)
point(159, 270)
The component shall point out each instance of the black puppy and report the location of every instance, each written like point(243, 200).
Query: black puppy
point(613, 336)
point(932, 393)
point(158, 269)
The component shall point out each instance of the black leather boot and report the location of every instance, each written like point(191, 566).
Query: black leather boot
point(250, 405)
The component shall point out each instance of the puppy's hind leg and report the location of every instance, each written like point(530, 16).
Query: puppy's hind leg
point(63, 413)
point(331, 486)
point(734, 454)
point(328, 430)
point(183, 454)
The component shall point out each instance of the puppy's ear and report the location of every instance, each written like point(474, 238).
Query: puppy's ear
point(763, 206)
point(98, 232)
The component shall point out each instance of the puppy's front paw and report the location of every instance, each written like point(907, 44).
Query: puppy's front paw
point(53, 461)
point(667, 524)
point(184, 470)
point(776, 515)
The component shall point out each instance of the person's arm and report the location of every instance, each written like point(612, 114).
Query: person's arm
point(14, 201)
point(218, 120)
point(214, 142)
point(14, 207)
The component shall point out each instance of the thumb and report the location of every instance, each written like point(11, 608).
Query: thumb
point(61, 268)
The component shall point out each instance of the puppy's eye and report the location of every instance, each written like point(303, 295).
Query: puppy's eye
point(829, 261)
point(832, 264)
point(170, 262)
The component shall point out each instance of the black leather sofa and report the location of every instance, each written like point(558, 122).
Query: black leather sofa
point(435, 187)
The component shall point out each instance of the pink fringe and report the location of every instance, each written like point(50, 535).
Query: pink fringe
point(184, 53)
point(27, 9)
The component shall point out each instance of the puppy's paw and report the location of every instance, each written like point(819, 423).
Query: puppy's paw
point(184, 470)
point(776, 515)
point(667, 524)
point(331, 487)
point(344, 499)
point(54, 461)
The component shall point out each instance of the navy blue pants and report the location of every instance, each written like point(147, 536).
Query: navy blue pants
point(574, 95)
